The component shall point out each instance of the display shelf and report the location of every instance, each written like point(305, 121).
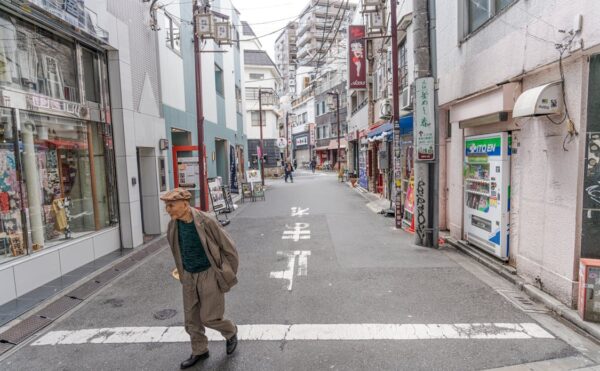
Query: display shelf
point(478, 193)
point(475, 180)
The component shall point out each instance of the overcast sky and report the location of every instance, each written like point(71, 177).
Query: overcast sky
point(267, 16)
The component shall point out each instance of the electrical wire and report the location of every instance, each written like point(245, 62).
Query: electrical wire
point(336, 32)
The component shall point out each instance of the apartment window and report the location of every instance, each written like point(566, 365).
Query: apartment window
point(257, 76)
point(219, 85)
point(173, 35)
point(318, 110)
point(304, 117)
point(479, 11)
point(255, 118)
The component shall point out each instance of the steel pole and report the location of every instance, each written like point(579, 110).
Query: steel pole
point(262, 164)
point(202, 181)
point(287, 139)
point(337, 109)
point(395, 112)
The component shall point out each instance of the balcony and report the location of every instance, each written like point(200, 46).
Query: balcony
point(269, 96)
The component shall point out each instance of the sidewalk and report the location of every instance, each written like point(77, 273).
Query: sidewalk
point(510, 274)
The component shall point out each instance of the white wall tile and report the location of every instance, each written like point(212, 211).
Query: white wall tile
point(75, 255)
point(106, 242)
point(36, 271)
point(8, 291)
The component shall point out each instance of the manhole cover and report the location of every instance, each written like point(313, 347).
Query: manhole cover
point(165, 314)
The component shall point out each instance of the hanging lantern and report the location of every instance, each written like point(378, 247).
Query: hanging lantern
point(223, 33)
point(204, 25)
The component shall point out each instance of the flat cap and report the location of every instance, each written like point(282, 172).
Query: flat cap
point(176, 194)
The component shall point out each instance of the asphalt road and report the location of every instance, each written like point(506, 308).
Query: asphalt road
point(360, 271)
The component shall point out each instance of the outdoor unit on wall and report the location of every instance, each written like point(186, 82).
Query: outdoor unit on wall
point(406, 99)
point(385, 109)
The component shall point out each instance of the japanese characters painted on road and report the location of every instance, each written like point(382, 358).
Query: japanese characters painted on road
point(281, 143)
point(300, 212)
point(424, 132)
point(296, 233)
point(288, 274)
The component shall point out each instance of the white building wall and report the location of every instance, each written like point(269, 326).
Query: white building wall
point(271, 130)
point(171, 72)
point(546, 179)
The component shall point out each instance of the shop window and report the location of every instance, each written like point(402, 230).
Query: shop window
point(91, 78)
point(68, 170)
point(35, 61)
point(11, 223)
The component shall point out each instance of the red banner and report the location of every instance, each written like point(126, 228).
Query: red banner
point(357, 58)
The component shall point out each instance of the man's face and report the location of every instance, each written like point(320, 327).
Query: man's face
point(177, 209)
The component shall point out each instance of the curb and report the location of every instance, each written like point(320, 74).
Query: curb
point(510, 274)
point(55, 307)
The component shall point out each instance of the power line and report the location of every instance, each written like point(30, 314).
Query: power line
point(336, 32)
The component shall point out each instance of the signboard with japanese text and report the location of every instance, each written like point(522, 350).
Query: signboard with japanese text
point(424, 124)
point(313, 134)
point(357, 61)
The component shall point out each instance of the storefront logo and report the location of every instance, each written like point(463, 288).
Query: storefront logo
point(486, 146)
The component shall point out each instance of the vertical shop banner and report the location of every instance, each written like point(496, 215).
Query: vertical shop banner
point(233, 170)
point(312, 132)
point(424, 132)
point(357, 61)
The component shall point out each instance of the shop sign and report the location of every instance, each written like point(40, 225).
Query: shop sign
point(40, 102)
point(486, 146)
point(351, 136)
point(357, 63)
point(424, 114)
point(313, 134)
point(302, 141)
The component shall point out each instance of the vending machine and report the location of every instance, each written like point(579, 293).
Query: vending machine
point(487, 192)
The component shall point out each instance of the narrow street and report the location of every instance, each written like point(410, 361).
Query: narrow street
point(324, 284)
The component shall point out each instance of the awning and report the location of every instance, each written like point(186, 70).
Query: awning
point(333, 145)
point(380, 130)
point(542, 100)
point(406, 124)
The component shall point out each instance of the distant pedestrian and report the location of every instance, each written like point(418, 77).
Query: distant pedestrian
point(313, 165)
point(295, 164)
point(289, 169)
point(207, 263)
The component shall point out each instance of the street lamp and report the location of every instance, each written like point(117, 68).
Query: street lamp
point(337, 113)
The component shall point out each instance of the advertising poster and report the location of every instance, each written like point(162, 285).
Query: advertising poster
point(216, 194)
point(253, 176)
point(424, 123)
point(357, 61)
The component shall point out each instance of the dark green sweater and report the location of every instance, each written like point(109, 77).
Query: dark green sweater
point(193, 256)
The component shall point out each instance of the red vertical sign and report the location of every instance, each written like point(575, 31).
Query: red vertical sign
point(357, 59)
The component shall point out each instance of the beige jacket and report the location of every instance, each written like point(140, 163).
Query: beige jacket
point(219, 248)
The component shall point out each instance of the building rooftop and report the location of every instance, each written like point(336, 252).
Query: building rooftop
point(247, 30)
point(258, 58)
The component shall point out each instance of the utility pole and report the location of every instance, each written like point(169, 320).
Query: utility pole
point(337, 113)
point(203, 178)
point(287, 136)
point(262, 154)
point(426, 176)
point(395, 113)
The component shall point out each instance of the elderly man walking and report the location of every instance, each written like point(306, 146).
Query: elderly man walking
point(207, 263)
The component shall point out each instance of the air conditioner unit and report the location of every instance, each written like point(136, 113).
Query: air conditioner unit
point(385, 109)
point(406, 99)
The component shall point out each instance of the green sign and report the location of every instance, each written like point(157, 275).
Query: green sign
point(484, 147)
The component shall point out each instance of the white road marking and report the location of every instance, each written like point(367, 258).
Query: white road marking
point(374, 331)
point(288, 274)
point(296, 233)
point(297, 211)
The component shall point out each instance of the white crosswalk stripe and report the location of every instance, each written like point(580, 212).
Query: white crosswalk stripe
point(373, 331)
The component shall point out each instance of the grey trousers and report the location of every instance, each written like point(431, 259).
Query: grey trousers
point(204, 306)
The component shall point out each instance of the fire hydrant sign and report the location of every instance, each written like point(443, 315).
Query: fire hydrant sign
point(424, 132)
